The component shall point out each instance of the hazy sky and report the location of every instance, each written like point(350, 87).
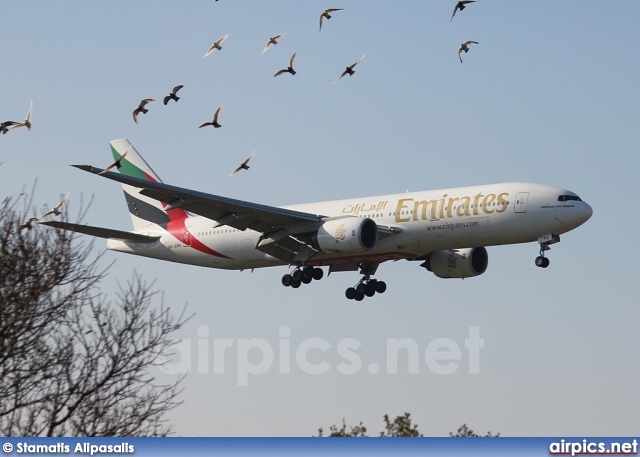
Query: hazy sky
point(549, 95)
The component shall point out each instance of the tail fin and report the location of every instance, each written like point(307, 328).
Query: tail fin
point(144, 210)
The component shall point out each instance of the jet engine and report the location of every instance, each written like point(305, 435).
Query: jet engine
point(346, 235)
point(457, 263)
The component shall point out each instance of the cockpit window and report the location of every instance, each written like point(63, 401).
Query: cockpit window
point(566, 198)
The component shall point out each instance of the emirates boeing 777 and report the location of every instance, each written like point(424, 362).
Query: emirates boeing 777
point(447, 230)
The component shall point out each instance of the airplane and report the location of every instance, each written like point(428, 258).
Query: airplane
point(447, 230)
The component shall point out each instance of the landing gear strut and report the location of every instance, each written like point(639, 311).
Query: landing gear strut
point(366, 287)
point(545, 241)
point(302, 276)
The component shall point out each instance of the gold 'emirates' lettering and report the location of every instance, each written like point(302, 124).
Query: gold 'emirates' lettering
point(409, 209)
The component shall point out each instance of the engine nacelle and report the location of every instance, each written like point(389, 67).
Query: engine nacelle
point(458, 263)
point(351, 234)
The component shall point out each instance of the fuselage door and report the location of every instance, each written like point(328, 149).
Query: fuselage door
point(521, 202)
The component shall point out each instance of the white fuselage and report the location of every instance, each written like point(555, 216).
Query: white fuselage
point(464, 217)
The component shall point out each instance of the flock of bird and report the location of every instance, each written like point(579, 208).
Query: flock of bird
point(216, 46)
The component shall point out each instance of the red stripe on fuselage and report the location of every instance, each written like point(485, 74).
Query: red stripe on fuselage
point(178, 229)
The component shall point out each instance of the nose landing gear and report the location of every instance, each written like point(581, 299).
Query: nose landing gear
point(545, 241)
point(541, 260)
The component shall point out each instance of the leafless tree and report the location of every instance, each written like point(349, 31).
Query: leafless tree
point(73, 362)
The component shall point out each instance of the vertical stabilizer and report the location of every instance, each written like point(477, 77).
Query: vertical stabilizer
point(145, 211)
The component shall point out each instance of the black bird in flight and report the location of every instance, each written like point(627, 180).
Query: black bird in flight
point(214, 122)
point(243, 165)
point(460, 6)
point(349, 70)
point(325, 14)
point(141, 108)
point(172, 95)
point(117, 163)
point(289, 69)
point(5, 124)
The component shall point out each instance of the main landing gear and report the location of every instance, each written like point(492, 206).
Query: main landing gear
point(302, 276)
point(365, 287)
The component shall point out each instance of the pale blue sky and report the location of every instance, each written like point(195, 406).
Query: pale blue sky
point(549, 95)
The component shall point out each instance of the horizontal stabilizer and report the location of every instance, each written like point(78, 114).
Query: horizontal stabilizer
point(101, 232)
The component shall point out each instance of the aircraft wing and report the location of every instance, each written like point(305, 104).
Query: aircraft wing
point(226, 211)
point(279, 226)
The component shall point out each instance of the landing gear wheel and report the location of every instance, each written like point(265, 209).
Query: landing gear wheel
point(370, 289)
point(350, 293)
point(307, 272)
point(287, 280)
point(296, 275)
point(360, 288)
point(542, 262)
point(381, 286)
point(295, 284)
point(359, 297)
point(306, 279)
point(317, 274)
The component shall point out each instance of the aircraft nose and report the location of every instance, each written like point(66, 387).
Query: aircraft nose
point(587, 211)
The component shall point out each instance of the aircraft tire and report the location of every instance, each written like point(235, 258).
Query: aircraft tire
point(350, 293)
point(307, 272)
point(360, 288)
point(296, 275)
point(542, 262)
point(317, 274)
point(295, 284)
point(359, 297)
point(381, 286)
point(370, 289)
point(287, 280)
point(306, 279)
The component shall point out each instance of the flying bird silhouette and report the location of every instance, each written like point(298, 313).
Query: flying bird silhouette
point(141, 108)
point(326, 15)
point(55, 211)
point(243, 165)
point(172, 95)
point(273, 41)
point(349, 70)
point(27, 121)
point(465, 47)
point(214, 122)
point(216, 46)
point(4, 125)
point(289, 69)
point(28, 224)
point(460, 6)
point(117, 163)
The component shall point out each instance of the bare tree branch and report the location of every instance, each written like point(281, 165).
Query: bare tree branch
point(73, 362)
